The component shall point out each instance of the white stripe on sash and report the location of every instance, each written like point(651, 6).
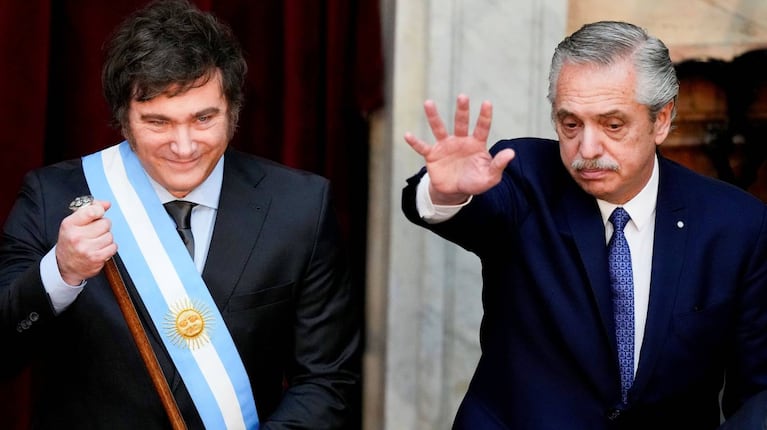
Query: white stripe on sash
point(167, 280)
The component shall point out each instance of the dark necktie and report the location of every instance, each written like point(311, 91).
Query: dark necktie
point(622, 283)
point(181, 212)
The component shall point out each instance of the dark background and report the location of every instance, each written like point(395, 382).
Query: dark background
point(315, 73)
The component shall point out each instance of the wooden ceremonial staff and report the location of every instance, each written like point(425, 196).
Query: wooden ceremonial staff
point(137, 331)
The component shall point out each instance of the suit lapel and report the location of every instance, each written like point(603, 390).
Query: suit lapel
point(241, 213)
point(671, 218)
point(584, 223)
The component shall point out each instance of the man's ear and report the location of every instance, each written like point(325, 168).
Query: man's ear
point(662, 125)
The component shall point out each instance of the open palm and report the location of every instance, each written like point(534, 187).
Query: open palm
point(460, 165)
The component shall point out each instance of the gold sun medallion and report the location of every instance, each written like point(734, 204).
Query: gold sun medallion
point(188, 324)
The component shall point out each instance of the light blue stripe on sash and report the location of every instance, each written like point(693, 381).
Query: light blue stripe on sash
point(140, 261)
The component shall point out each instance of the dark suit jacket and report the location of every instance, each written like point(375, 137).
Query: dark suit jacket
point(548, 345)
point(275, 269)
point(751, 416)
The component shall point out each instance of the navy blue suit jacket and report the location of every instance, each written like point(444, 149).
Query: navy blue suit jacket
point(751, 416)
point(548, 345)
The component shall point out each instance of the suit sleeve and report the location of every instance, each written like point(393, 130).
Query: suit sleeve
point(324, 377)
point(478, 224)
point(25, 309)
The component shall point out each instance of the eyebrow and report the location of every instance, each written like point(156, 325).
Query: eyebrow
point(563, 113)
point(615, 113)
point(157, 116)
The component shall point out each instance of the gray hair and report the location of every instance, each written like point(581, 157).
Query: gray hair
point(607, 42)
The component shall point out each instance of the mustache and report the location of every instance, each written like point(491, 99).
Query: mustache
point(595, 163)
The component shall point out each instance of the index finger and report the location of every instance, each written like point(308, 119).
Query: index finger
point(435, 122)
point(484, 120)
point(90, 212)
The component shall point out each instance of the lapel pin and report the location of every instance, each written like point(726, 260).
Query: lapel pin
point(680, 224)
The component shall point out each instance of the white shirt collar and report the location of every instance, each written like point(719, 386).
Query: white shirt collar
point(642, 207)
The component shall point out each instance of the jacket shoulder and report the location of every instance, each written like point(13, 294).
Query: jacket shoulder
point(533, 145)
point(262, 169)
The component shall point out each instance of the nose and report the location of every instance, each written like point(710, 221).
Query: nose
point(183, 143)
point(591, 144)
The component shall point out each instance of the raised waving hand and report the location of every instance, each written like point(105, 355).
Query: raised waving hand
point(459, 164)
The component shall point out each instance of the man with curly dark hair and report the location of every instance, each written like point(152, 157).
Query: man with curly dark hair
point(234, 263)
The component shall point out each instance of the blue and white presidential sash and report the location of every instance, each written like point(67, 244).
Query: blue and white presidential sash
point(174, 293)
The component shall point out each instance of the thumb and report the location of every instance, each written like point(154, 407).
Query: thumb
point(501, 160)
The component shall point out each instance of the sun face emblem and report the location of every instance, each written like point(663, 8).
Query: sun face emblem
point(188, 324)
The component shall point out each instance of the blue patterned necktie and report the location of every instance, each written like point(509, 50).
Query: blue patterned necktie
point(622, 283)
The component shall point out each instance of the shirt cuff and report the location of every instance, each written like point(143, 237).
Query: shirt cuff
point(430, 212)
point(61, 294)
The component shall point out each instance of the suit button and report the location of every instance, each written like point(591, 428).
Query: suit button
point(613, 414)
point(33, 316)
point(25, 324)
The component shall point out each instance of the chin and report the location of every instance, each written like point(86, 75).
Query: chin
point(596, 191)
point(181, 189)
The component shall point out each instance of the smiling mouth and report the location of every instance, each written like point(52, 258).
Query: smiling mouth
point(183, 163)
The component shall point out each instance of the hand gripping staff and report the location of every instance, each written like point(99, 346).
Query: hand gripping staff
point(137, 331)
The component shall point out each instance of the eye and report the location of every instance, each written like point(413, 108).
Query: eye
point(157, 122)
point(614, 125)
point(570, 123)
point(204, 118)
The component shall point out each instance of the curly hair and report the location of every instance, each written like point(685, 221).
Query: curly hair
point(168, 47)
